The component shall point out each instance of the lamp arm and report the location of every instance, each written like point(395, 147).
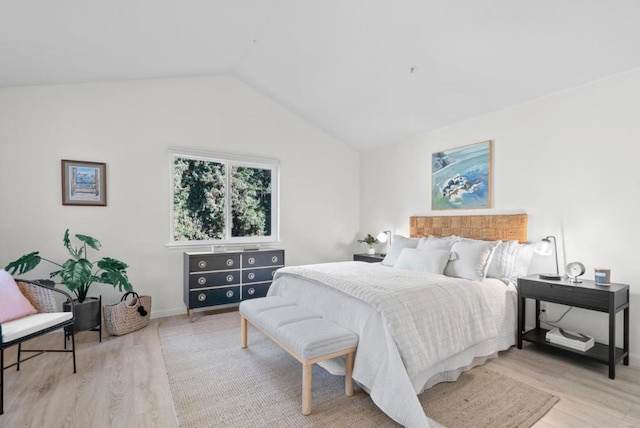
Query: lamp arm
point(555, 249)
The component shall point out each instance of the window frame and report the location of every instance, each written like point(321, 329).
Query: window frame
point(229, 161)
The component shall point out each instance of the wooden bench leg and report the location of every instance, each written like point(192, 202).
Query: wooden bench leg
point(348, 379)
point(306, 388)
point(243, 330)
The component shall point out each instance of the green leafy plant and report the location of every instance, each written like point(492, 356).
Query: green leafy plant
point(78, 273)
point(369, 240)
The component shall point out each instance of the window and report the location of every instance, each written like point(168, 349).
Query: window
point(223, 199)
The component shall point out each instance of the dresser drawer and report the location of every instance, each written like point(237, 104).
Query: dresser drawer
point(216, 296)
point(214, 279)
point(209, 262)
point(255, 290)
point(262, 258)
point(566, 294)
point(258, 275)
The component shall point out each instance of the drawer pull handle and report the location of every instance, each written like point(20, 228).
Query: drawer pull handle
point(252, 275)
point(229, 262)
point(202, 280)
point(229, 278)
point(229, 293)
point(202, 264)
point(202, 297)
point(251, 292)
point(251, 260)
point(273, 273)
point(274, 259)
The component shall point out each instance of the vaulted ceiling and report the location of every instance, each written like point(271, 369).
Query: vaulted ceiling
point(370, 72)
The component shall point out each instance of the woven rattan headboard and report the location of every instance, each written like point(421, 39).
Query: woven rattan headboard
point(486, 227)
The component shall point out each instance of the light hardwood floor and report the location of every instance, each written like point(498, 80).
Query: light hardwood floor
point(122, 382)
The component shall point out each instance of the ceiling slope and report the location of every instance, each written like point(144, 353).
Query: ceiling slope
point(369, 72)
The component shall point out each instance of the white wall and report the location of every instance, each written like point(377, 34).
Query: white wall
point(130, 126)
point(570, 161)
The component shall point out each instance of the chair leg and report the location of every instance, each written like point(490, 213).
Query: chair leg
point(73, 349)
point(1, 381)
point(19, 351)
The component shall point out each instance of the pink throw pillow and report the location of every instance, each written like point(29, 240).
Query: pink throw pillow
point(13, 304)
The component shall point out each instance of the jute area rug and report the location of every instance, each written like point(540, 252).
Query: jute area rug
point(216, 383)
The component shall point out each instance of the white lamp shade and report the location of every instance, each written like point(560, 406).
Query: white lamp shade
point(382, 237)
point(543, 248)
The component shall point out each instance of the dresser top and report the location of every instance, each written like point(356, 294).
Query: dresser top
point(262, 250)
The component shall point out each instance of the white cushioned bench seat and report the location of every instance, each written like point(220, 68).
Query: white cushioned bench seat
point(304, 334)
point(12, 330)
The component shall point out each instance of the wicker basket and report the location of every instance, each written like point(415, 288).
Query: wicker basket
point(125, 317)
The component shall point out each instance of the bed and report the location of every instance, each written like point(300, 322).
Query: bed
point(425, 314)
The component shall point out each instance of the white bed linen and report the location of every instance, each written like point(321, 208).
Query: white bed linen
point(379, 367)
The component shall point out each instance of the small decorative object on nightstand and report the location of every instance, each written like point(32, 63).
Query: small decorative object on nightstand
point(586, 295)
point(602, 276)
point(370, 240)
point(369, 258)
point(574, 270)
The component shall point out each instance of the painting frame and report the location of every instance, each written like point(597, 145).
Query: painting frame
point(462, 177)
point(84, 183)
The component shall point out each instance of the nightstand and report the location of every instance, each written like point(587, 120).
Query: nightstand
point(587, 295)
point(369, 258)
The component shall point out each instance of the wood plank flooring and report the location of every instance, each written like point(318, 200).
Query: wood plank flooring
point(122, 382)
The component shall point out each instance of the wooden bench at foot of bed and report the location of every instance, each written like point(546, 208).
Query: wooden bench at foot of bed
point(305, 335)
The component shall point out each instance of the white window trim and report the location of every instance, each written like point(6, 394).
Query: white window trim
point(228, 160)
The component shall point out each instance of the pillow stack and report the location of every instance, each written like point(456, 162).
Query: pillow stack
point(459, 257)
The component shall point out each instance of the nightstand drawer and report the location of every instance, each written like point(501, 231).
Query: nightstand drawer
point(368, 258)
point(566, 294)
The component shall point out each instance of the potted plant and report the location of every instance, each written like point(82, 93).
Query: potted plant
point(370, 240)
point(78, 273)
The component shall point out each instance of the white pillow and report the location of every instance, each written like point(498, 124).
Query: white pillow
point(502, 261)
point(436, 243)
point(433, 261)
point(522, 260)
point(397, 244)
point(472, 259)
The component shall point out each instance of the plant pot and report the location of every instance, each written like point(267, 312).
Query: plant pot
point(371, 250)
point(87, 314)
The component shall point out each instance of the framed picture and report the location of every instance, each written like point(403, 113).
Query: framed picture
point(84, 183)
point(461, 177)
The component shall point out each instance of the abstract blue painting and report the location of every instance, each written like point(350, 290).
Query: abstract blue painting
point(461, 177)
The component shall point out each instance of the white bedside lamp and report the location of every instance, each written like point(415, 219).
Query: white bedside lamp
point(385, 236)
point(544, 249)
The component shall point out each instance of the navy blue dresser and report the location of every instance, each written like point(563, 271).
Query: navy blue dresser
point(213, 279)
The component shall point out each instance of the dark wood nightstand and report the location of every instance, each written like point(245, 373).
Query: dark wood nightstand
point(369, 258)
point(587, 295)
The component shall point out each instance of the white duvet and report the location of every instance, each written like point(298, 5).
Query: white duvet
point(409, 325)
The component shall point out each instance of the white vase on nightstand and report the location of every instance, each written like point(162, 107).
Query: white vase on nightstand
point(371, 250)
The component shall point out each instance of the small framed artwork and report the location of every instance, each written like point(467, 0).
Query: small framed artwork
point(84, 183)
point(461, 177)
